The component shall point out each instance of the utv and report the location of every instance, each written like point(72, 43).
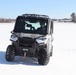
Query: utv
point(32, 37)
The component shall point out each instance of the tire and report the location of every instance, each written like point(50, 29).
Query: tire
point(10, 53)
point(44, 57)
point(51, 53)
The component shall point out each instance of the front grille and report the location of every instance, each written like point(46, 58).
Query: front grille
point(25, 45)
point(26, 42)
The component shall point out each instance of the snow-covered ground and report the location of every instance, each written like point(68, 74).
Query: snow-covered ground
point(63, 61)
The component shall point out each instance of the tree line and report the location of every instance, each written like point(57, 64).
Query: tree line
point(72, 19)
point(4, 20)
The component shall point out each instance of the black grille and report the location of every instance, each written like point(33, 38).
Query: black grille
point(26, 42)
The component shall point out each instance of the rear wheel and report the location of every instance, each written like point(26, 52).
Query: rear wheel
point(51, 53)
point(44, 57)
point(10, 53)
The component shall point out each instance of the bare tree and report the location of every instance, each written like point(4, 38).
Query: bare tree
point(73, 17)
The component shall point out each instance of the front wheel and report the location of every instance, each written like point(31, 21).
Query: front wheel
point(10, 53)
point(44, 57)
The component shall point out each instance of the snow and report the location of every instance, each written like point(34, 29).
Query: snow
point(63, 61)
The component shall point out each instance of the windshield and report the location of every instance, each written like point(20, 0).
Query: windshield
point(31, 25)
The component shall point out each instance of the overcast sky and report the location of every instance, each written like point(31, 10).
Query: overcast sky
point(53, 8)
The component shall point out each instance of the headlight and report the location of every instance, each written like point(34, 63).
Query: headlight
point(14, 38)
point(41, 40)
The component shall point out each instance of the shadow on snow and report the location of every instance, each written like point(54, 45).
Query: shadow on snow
point(18, 60)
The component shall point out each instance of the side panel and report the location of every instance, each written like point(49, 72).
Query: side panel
point(50, 36)
point(49, 43)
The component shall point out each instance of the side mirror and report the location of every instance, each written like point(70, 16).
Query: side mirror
point(12, 32)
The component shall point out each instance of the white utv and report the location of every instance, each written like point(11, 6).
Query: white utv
point(32, 37)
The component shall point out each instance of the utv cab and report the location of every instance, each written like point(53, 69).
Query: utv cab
point(32, 37)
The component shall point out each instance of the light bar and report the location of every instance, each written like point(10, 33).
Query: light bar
point(35, 15)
